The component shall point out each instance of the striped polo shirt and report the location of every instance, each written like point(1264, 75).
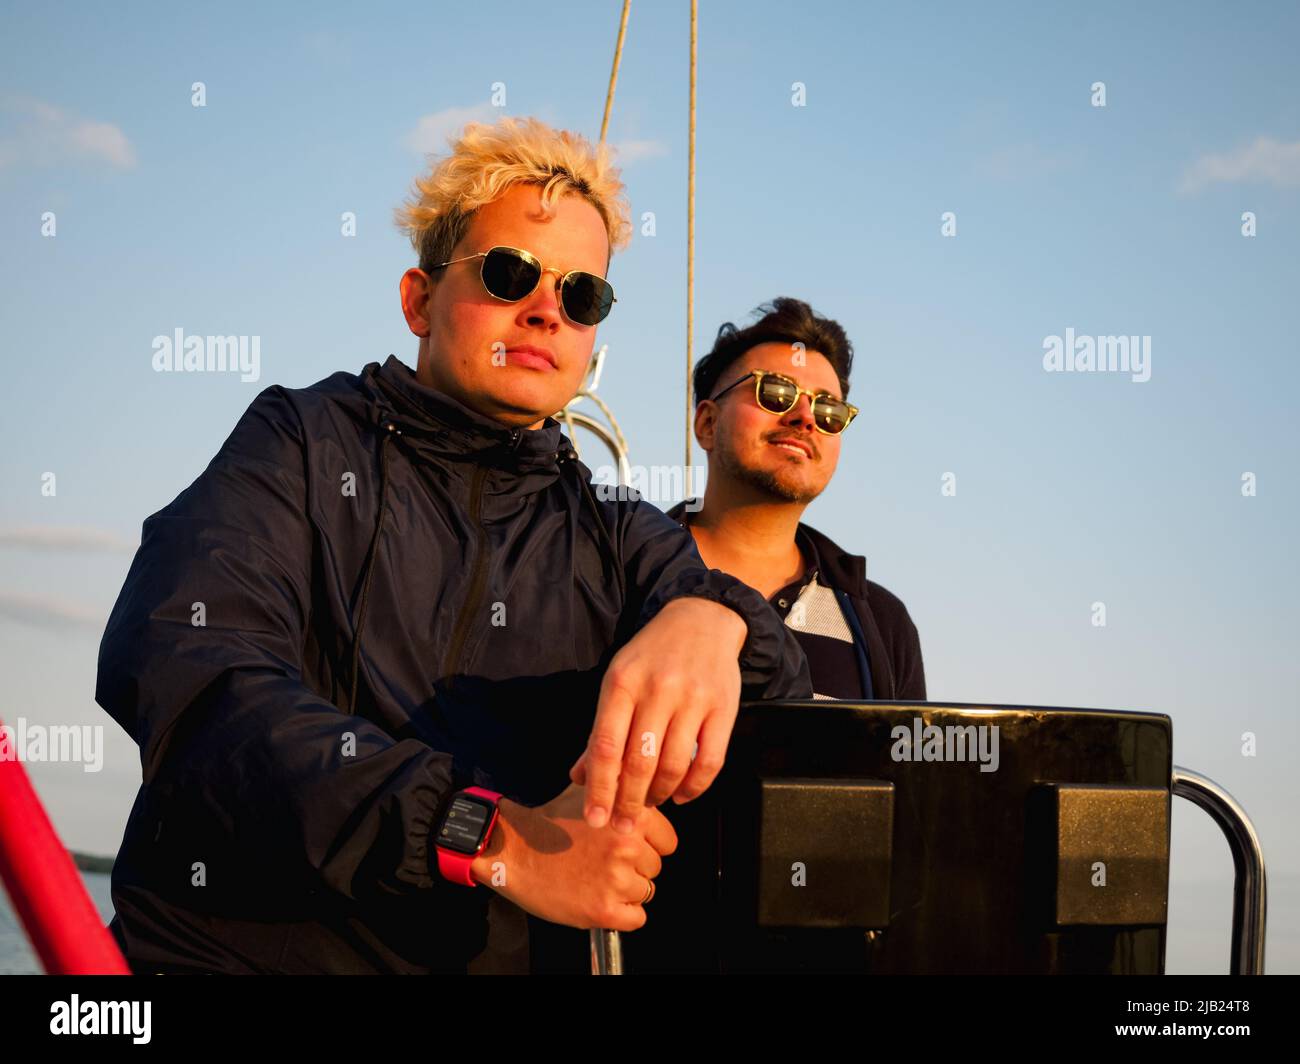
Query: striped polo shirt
point(811, 610)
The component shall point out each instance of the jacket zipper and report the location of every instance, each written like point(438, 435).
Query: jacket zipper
point(476, 581)
point(479, 577)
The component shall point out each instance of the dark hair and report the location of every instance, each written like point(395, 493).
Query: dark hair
point(784, 320)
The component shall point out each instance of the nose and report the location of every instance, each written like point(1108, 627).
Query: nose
point(800, 414)
point(543, 306)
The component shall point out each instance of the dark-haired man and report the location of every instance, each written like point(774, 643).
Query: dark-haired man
point(770, 411)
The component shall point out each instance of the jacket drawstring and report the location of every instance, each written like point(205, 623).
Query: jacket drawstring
point(390, 430)
point(859, 642)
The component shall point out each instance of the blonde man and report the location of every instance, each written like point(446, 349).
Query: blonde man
point(417, 620)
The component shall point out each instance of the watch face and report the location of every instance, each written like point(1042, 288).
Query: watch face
point(463, 827)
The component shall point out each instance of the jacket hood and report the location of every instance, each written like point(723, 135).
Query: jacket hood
point(437, 426)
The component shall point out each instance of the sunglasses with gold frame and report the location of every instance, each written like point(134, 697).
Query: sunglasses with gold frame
point(778, 394)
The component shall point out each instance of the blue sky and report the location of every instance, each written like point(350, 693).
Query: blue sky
point(1072, 488)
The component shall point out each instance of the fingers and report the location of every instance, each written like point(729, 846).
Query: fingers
point(632, 918)
point(627, 870)
point(638, 894)
point(604, 756)
point(658, 832)
point(647, 724)
point(675, 756)
point(648, 863)
point(641, 759)
point(638, 887)
point(624, 910)
point(714, 736)
point(578, 773)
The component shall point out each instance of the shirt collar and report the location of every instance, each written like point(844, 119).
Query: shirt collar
point(836, 567)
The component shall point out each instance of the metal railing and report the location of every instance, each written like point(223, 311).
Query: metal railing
point(1250, 884)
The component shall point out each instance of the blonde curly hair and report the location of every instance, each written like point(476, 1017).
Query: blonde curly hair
point(487, 159)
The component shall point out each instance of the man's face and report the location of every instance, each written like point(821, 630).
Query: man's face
point(743, 438)
point(473, 338)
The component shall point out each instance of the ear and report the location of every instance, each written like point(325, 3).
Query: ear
point(706, 422)
point(416, 288)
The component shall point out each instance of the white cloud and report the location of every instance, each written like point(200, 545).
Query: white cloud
point(1020, 161)
point(432, 131)
point(58, 538)
point(37, 133)
point(332, 47)
point(1266, 161)
point(629, 151)
point(50, 612)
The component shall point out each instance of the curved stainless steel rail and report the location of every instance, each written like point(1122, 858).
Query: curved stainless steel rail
point(1250, 886)
point(607, 438)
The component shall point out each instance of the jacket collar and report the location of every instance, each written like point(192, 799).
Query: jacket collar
point(839, 569)
point(443, 425)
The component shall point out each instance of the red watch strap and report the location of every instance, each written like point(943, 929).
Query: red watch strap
point(456, 866)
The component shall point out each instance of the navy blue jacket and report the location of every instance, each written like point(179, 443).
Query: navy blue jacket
point(371, 597)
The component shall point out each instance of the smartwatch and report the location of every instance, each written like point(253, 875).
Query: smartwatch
point(464, 832)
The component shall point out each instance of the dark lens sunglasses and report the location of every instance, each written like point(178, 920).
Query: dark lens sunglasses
point(778, 395)
point(512, 274)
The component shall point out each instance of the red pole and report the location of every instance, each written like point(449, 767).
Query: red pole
point(47, 890)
